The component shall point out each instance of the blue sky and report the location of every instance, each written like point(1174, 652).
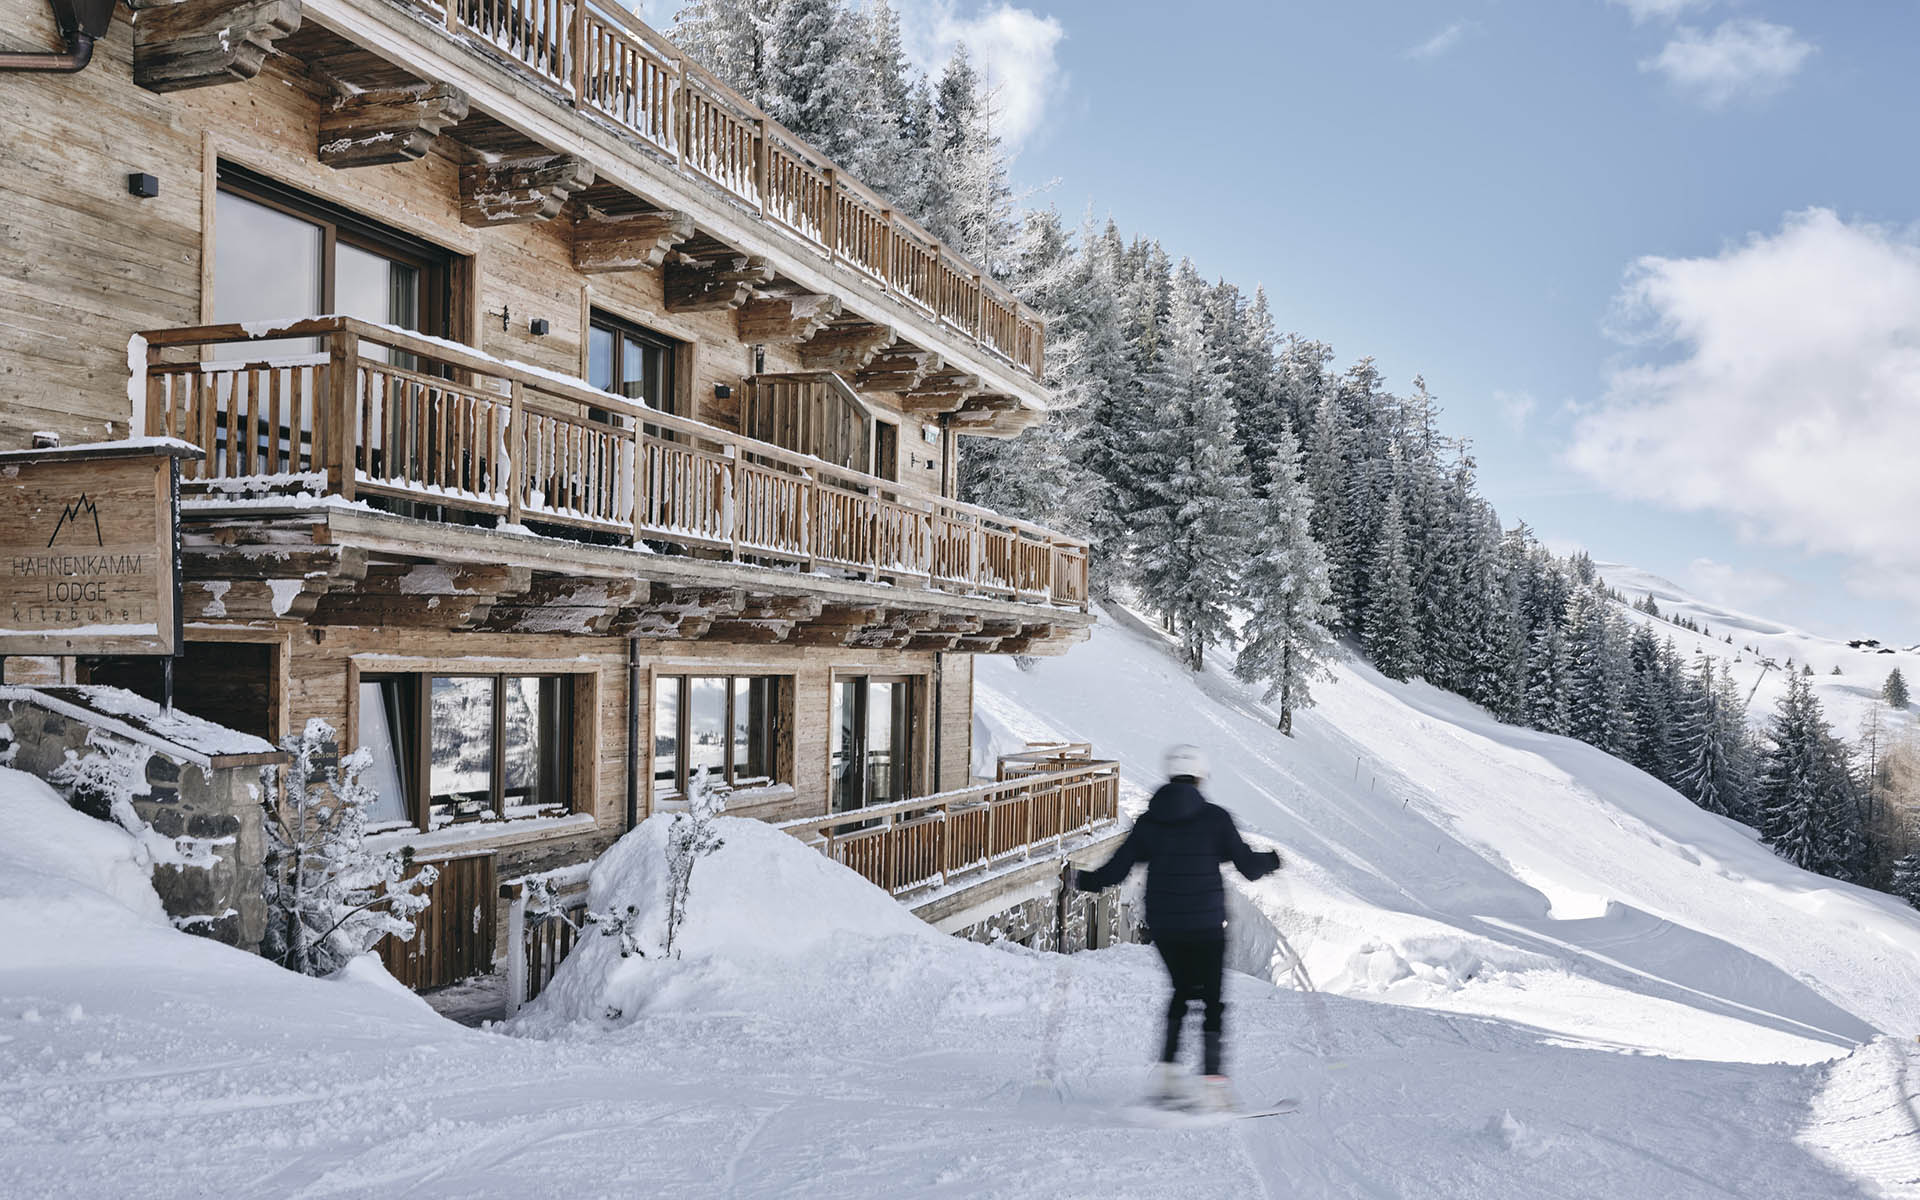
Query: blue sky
point(1656, 257)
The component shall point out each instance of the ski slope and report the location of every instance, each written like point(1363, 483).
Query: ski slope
point(1442, 859)
point(1540, 975)
point(1847, 698)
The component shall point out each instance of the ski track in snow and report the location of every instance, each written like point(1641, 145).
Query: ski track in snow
point(1542, 976)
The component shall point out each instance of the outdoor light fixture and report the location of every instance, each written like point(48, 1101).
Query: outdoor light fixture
point(539, 326)
point(143, 185)
point(759, 359)
point(82, 22)
point(722, 392)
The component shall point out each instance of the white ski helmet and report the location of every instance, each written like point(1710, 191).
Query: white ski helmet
point(1185, 760)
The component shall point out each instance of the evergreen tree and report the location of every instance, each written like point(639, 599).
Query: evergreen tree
point(969, 202)
point(1810, 813)
point(730, 39)
point(1285, 640)
point(1596, 673)
point(1906, 879)
point(1547, 697)
point(1389, 628)
point(1327, 456)
point(1894, 691)
point(1713, 735)
point(816, 81)
point(1192, 531)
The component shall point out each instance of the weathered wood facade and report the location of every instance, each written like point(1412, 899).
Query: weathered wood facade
point(525, 493)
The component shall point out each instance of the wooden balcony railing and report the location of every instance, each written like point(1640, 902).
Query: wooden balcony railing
point(605, 61)
point(380, 412)
point(933, 840)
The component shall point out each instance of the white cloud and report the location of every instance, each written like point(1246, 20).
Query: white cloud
point(1791, 400)
point(1440, 43)
point(1734, 586)
point(1517, 408)
point(1660, 10)
point(1015, 47)
point(1744, 57)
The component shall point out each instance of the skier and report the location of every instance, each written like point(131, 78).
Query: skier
point(1183, 839)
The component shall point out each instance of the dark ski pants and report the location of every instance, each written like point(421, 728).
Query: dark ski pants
point(1194, 963)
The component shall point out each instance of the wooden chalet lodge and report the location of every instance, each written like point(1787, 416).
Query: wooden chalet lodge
point(568, 429)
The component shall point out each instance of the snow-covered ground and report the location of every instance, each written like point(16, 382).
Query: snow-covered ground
point(1847, 698)
point(1541, 975)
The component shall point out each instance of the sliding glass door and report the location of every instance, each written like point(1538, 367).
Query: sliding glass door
point(872, 740)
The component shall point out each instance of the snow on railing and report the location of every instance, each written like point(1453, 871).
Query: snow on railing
point(385, 412)
point(605, 60)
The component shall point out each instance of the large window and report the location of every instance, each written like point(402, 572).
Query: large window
point(460, 748)
point(279, 254)
point(629, 361)
point(725, 726)
point(871, 758)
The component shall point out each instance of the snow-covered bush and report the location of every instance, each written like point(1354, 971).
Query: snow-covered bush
point(103, 782)
point(329, 898)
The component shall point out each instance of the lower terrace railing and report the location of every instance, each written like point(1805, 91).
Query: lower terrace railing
point(364, 410)
point(933, 840)
point(605, 61)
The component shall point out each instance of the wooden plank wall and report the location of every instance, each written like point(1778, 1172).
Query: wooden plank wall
point(87, 264)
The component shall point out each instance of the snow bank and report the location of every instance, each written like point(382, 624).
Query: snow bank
point(764, 906)
point(62, 871)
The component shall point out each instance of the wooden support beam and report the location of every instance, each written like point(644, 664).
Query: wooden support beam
point(423, 596)
point(247, 575)
point(200, 43)
point(514, 191)
point(715, 284)
point(943, 391)
point(846, 346)
point(391, 125)
point(678, 613)
point(566, 604)
point(899, 368)
point(786, 320)
point(630, 242)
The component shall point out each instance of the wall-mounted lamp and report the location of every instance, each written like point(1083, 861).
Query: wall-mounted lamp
point(539, 326)
point(722, 391)
point(759, 359)
point(143, 185)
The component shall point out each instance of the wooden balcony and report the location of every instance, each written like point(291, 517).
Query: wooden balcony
point(603, 61)
point(381, 414)
point(1042, 803)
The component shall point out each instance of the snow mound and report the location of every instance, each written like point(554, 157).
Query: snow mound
point(762, 906)
point(61, 869)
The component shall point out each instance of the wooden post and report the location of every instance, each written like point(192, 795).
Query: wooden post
point(886, 250)
point(979, 307)
point(580, 33)
point(516, 450)
point(1032, 802)
point(453, 16)
point(682, 116)
point(340, 442)
point(730, 504)
point(830, 228)
point(762, 163)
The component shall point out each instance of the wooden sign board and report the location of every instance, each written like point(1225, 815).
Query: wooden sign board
point(89, 549)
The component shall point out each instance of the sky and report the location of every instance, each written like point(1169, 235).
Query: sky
point(1658, 259)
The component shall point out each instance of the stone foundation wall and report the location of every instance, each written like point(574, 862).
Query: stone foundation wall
point(217, 809)
point(1092, 922)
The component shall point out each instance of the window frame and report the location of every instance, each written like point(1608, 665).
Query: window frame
point(778, 723)
point(919, 685)
point(410, 721)
point(622, 329)
point(436, 265)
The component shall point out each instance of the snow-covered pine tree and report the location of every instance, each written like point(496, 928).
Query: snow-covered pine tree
point(1809, 811)
point(1301, 379)
point(1547, 696)
point(1894, 691)
point(1596, 673)
point(1258, 412)
point(1192, 531)
point(893, 160)
point(815, 78)
point(330, 898)
point(1036, 475)
point(1713, 738)
point(1327, 455)
point(729, 38)
point(1651, 703)
point(969, 204)
point(1285, 641)
point(1388, 628)
point(1905, 882)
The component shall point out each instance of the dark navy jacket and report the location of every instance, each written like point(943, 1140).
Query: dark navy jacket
point(1183, 840)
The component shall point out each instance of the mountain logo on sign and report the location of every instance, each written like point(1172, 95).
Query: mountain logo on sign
point(73, 515)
